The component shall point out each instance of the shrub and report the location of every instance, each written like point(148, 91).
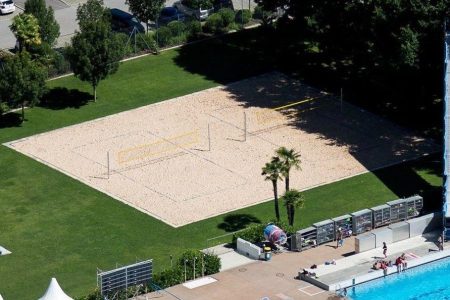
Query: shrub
point(209, 263)
point(168, 278)
point(232, 26)
point(164, 34)
point(176, 27)
point(60, 64)
point(259, 12)
point(212, 264)
point(253, 234)
point(3, 108)
point(214, 24)
point(227, 15)
point(243, 16)
point(193, 29)
point(146, 42)
point(94, 295)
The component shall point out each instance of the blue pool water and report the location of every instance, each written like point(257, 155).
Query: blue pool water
point(427, 282)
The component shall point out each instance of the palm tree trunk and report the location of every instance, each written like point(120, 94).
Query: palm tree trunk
point(291, 217)
point(275, 194)
point(288, 211)
point(287, 182)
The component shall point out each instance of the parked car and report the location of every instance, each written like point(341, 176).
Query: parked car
point(121, 21)
point(7, 6)
point(200, 13)
point(169, 14)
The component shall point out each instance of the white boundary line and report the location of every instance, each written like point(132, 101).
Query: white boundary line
point(10, 145)
point(309, 294)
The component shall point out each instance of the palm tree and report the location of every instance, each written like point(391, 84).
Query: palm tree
point(272, 172)
point(293, 199)
point(289, 159)
point(26, 29)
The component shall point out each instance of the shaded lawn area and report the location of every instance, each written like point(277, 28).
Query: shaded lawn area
point(137, 83)
point(57, 226)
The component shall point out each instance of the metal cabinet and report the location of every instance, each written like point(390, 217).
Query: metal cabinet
point(325, 231)
point(381, 215)
point(364, 242)
point(362, 221)
point(398, 210)
point(345, 224)
point(308, 238)
point(414, 206)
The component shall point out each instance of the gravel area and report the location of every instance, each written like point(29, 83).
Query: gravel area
point(161, 164)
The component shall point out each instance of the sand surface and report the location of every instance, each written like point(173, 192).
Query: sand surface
point(162, 162)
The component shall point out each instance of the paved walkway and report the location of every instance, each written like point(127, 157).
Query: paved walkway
point(276, 279)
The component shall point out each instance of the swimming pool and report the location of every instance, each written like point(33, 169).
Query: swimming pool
point(427, 282)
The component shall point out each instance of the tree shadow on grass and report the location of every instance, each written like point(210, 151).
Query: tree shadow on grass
point(236, 222)
point(11, 120)
point(61, 98)
point(404, 181)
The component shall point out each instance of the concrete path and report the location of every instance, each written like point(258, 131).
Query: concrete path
point(228, 257)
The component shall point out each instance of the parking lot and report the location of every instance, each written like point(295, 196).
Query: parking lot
point(65, 14)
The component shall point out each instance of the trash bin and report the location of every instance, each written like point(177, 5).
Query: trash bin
point(267, 253)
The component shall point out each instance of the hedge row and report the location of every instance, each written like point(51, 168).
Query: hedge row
point(175, 33)
point(226, 19)
point(205, 264)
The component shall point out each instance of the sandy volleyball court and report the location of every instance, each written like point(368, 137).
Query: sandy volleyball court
point(164, 161)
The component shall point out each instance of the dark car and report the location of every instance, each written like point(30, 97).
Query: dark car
point(121, 21)
point(169, 14)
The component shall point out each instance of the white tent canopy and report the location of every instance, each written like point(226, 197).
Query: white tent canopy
point(54, 292)
point(1, 298)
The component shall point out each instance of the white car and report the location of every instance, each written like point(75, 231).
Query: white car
point(200, 14)
point(7, 6)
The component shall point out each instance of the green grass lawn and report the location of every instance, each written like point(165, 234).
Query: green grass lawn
point(57, 226)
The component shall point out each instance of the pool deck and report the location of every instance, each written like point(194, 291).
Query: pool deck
point(357, 268)
point(277, 279)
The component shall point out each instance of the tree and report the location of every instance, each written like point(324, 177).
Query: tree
point(146, 10)
point(22, 81)
point(289, 159)
point(92, 12)
point(48, 27)
point(26, 29)
point(292, 200)
point(272, 172)
point(95, 51)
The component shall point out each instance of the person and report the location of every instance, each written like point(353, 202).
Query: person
point(307, 272)
point(341, 242)
point(384, 267)
point(404, 262)
point(338, 237)
point(440, 243)
point(384, 249)
point(399, 264)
